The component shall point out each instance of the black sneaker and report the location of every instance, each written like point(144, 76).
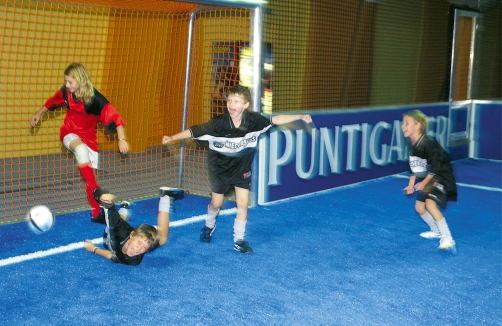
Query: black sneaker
point(100, 218)
point(206, 233)
point(171, 192)
point(125, 204)
point(242, 246)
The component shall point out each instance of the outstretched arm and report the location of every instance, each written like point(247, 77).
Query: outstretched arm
point(37, 116)
point(287, 118)
point(89, 246)
point(182, 135)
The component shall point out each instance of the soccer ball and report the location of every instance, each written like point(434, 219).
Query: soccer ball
point(40, 219)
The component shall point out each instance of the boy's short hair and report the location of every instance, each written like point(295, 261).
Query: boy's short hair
point(419, 117)
point(150, 233)
point(240, 90)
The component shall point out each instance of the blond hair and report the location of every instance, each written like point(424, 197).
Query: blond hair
point(86, 90)
point(419, 117)
point(150, 234)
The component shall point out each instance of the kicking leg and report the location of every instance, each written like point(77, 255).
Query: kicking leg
point(81, 152)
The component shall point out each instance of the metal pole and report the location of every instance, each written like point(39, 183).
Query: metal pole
point(191, 23)
point(257, 50)
point(185, 95)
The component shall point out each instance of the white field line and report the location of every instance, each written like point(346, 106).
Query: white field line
point(79, 245)
point(459, 184)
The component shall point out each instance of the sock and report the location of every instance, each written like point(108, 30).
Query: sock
point(164, 204)
point(91, 184)
point(239, 229)
point(88, 175)
point(124, 211)
point(443, 228)
point(427, 217)
point(211, 218)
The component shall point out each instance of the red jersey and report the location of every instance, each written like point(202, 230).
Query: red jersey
point(81, 118)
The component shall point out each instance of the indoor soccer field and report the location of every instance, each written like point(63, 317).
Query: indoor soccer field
point(348, 256)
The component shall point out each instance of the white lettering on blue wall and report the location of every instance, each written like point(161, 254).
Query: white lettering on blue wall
point(321, 152)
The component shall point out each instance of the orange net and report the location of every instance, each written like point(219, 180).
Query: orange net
point(318, 55)
point(135, 53)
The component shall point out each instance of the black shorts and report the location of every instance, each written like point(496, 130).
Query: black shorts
point(220, 187)
point(435, 191)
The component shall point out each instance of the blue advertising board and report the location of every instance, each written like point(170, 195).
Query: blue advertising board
point(487, 121)
point(341, 147)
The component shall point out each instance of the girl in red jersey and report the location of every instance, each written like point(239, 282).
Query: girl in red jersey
point(85, 108)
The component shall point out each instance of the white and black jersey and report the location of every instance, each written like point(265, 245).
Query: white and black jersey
point(428, 157)
point(231, 149)
point(117, 233)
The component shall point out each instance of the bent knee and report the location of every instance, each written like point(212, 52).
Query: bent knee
point(420, 207)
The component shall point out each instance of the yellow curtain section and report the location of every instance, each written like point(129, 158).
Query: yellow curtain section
point(36, 48)
point(136, 59)
point(145, 62)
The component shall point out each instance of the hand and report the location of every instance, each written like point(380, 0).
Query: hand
point(409, 190)
point(88, 245)
point(34, 120)
point(307, 118)
point(419, 186)
point(123, 146)
point(167, 140)
point(107, 199)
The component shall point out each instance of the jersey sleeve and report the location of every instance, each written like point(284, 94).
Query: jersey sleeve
point(435, 157)
point(110, 118)
point(108, 115)
point(206, 128)
point(55, 101)
point(262, 121)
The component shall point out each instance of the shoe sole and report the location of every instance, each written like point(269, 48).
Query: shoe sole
point(448, 247)
point(244, 252)
point(430, 235)
point(171, 192)
point(433, 237)
point(126, 204)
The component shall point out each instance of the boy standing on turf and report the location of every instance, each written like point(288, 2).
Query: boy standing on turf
point(125, 244)
point(430, 164)
point(232, 139)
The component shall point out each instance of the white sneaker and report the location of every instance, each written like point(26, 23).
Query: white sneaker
point(430, 235)
point(446, 242)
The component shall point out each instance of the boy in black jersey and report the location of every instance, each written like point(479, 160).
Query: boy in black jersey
point(232, 139)
point(125, 244)
point(430, 164)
